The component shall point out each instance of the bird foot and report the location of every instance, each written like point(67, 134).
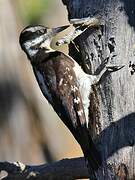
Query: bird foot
point(107, 71)
point(113, 68)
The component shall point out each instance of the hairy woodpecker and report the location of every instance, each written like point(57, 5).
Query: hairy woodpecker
point(64, 84)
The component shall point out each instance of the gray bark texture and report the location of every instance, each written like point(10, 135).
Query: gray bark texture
point(112, 109)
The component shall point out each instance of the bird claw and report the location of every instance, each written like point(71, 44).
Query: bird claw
point(114, 68)
point(105, 72)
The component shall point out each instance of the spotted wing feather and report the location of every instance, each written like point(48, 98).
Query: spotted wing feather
point(58, 82)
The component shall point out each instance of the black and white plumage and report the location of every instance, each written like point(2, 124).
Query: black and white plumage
point(64, 84)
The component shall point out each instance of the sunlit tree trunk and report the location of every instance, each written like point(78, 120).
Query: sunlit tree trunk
point(112, 109)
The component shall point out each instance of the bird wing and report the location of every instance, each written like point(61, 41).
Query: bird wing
point(59, 85)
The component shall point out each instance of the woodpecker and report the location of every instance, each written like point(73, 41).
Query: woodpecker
point(64, 84)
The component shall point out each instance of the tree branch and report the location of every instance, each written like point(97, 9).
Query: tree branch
point(75, 168)
point(64, 169)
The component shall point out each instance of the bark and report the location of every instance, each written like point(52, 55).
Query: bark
point(113, 102)
point(65, 169)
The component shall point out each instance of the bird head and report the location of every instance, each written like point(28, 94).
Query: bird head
point(34, 38)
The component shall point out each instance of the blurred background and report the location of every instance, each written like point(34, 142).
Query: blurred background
point(30, 131)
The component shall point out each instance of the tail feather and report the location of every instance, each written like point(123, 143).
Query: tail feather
point(91, 154)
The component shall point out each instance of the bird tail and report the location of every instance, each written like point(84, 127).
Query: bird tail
point(91, 154)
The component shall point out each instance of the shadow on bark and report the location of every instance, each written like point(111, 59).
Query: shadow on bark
point(129, 6)
point(118, 135)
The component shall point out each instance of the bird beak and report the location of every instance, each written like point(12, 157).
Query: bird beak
point(57, 30)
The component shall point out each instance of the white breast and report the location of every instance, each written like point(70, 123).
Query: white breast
point(85, 82)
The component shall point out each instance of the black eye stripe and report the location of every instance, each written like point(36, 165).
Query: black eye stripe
point(39, 32)
point(29, 35)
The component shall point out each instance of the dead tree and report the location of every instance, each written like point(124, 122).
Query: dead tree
point(112, 117)
point(112, 102)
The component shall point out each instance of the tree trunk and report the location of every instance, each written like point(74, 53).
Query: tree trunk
point(112, 117)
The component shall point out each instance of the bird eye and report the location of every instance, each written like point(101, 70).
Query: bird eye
point(41, 31)
point(38, 32)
